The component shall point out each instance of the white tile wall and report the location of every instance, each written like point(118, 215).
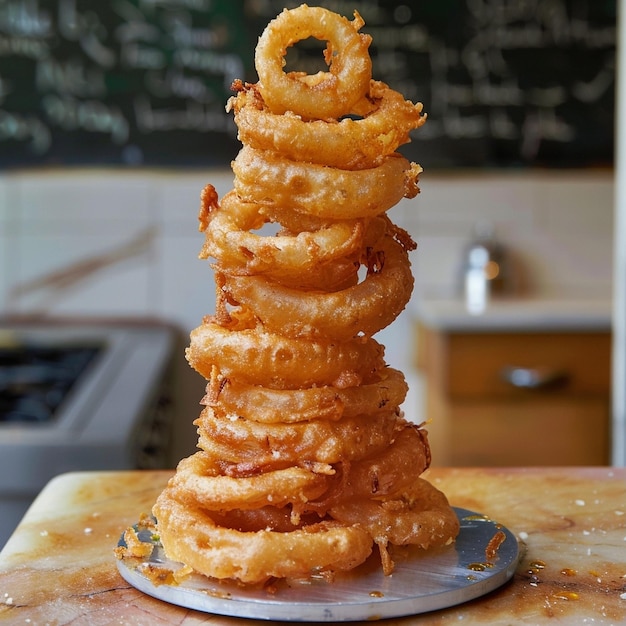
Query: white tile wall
point(183, 284)
point(558, 226)
point(575, 226)
point(103, 243)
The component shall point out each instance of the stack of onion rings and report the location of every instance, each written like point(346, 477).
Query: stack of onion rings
point(305, 460)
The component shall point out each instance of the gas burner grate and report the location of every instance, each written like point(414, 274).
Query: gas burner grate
point(36, 379)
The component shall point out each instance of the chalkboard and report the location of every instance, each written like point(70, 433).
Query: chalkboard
point(144, 82)
point(137, 82)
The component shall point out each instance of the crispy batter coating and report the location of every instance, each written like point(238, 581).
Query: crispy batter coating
point(306, 461)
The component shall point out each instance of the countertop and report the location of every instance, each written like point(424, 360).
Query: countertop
point(58, 567)
point(517, 314)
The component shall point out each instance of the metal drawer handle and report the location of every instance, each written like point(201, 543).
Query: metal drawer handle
point(534, 377)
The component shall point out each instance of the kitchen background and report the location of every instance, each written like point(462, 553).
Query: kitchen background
point(112, 120)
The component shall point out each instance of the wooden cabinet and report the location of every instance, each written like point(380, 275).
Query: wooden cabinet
point(516, 398)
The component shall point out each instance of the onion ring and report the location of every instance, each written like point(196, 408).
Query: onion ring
point(230, 240)
point(349, 143)
point(329, 94)
point(392, 470)
point(288, 406)
point(190, 535)
point(381, 476)
point(324, 191)
point(198, 480)
point(254, 355)
point(275, 446)
point(420, 515)
point(364, 309)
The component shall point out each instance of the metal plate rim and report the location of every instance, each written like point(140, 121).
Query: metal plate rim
point(361, 609)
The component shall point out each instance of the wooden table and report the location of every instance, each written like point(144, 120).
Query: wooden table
point(58, 567)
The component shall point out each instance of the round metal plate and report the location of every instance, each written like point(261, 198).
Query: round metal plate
point(422, 581)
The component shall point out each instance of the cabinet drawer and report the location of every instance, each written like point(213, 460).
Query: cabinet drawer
point(510, 365)
point(554, 431)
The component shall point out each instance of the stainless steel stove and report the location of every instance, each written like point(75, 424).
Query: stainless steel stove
point(77, 397)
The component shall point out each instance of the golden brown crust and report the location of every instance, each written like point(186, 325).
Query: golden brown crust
point(305, 458)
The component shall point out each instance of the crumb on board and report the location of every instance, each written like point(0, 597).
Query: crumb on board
point(491, 551)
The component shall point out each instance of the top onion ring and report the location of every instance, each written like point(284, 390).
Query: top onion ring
point(329, 94)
